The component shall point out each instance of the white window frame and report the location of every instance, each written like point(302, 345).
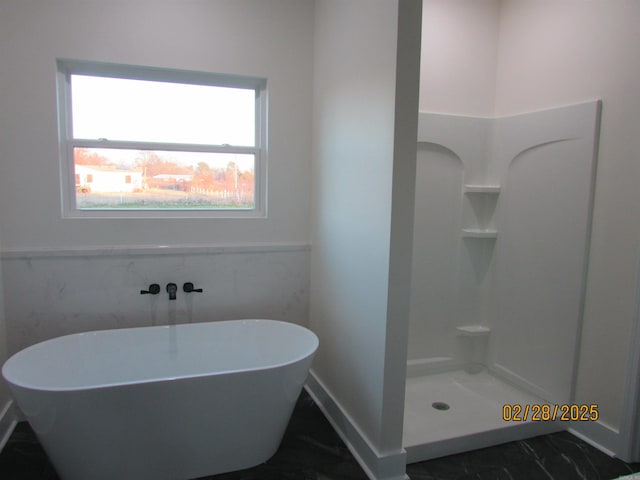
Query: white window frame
point(67, 67)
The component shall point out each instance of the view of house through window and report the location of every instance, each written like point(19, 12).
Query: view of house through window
point(141, 144)
point(137, 179)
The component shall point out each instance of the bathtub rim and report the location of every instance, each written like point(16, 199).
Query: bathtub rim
point(13, 382)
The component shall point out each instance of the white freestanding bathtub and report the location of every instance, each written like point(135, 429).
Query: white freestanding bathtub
point(168, 402)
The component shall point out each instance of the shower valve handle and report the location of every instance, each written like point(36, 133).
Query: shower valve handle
point(188, 288)
point(154, 289)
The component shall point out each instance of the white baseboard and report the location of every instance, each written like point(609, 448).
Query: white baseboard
point(598, 435)
point(377, 466)
point(8, 421)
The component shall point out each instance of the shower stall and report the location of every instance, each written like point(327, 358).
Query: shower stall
point(501, 239)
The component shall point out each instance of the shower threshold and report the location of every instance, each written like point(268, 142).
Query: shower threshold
point(456, 411)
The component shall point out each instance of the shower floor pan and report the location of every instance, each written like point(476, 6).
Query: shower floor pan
point(453, 412)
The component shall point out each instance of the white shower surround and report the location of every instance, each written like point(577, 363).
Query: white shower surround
point(502, 229)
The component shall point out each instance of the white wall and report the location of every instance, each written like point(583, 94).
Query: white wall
point(365, 120)
point(553, 53)
point(459, 54)
point(6, 412)
point(3, 341)
point(271, 39)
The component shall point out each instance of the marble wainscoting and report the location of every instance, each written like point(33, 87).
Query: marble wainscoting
point(48, 293)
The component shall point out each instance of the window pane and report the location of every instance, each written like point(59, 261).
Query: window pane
point(148, 111)
point(109, 178)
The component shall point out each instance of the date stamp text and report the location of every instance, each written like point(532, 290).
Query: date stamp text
point(546, 412)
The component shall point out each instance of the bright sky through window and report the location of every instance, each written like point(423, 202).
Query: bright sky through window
point(139, 110)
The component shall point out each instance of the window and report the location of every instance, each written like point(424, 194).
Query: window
point(144, 142)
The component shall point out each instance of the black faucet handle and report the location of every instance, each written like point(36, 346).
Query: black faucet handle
point(188, 288)
point(154, 289)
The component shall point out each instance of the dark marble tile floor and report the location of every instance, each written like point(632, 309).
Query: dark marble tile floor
point(311, 450)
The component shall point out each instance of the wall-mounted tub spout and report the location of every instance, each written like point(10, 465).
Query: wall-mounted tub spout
point(154, 289)
point(172, 288)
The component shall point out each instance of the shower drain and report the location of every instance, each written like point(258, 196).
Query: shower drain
point(440, 406)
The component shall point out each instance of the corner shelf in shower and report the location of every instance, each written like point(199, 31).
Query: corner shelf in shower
point(481, 201)
point(479, 233)
point(489, 189)
point(473, 330)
